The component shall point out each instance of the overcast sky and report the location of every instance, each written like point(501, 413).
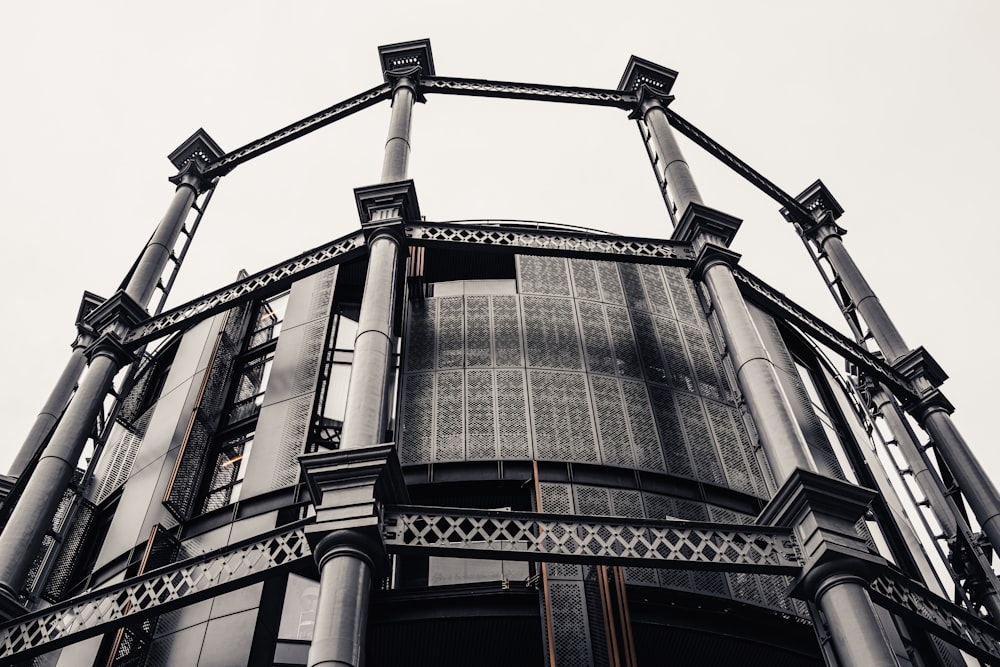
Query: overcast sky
point(893, 104)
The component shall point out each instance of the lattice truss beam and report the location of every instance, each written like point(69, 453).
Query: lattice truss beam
point(595, 540)
point(478, 534)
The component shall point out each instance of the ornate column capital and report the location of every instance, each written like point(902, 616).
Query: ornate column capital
point(386, 207)
point(118, 314)
point(192, 158)
point(85, 334)
point(651, 84)
point(925, 375)
point(822, 512)
point(701, 225)
point(404, 63)
point(824, 209)
point(348, 489)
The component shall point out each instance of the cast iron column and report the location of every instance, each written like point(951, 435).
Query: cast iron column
point(932, 410)
point(346, 558)
point(709, 232)
point(849, 613)
point(111, 321)
point(54, 405)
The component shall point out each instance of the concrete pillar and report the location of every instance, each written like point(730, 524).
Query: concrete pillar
point(112, 320)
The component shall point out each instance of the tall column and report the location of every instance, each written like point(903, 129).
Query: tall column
point(932, 410)
point(710, 232)
point(347, 556)
point(112, 321)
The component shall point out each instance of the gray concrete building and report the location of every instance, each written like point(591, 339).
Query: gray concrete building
point(496, 443)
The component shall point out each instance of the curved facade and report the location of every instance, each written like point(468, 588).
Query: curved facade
point(497, 444)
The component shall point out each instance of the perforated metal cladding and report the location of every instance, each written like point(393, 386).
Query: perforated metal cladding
point(560, 409)
point(449, 440)
point(612, 429)
point(123, 447)
point(698, 353)
point(596, 341)
point(59, 576)
point(558, 499)
point(417, 418)
point(653, 366)
point(570, 624)
point(512, 415)
point(584, 280)
point(733, 454)
point(703, 453)
point(507, 331)
point(642, 428)
point(635, 295)
point(542, 275)
point(420, 338)
point(682, 295)
point(480, 415)
point(675, 356)
point(477, 331)
point(450, 333)
point(298, 418)
point(675, 450)
point(626, 359)
point(611, 286)
point(550, 333)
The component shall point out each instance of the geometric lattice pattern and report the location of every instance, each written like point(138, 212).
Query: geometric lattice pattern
point(591, 540)
point(297, 267)
point(938, 616)
point(564, 241)
point(527, 91)
point(194, 580)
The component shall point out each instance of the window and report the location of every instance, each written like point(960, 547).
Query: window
point(225, 465)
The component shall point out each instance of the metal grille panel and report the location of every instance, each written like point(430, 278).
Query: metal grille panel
point(477, 331)
point(626, 359)
point(550, 333)
point(584, 279)
point(418, 418)
point(420, 339)
point(560, 409)
point(542, 275)
point(449, 441)
point(512, 415)
point(507, 331)
point(649, 454)
point(480, 415)
point(450, 332)
point(596, 342)
point(611, 422)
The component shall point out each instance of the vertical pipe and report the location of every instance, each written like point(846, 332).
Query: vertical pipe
point(397, 145)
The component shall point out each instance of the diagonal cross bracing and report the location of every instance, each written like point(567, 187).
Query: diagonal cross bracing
point(596, 540)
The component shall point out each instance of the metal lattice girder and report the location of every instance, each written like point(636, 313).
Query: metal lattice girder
point(187, 582)
point(227, 162)
point(727, 158)
point(559, 538)
point(778, 304)
point(938, 616)
point(527, 91)
point(276, 278)
point(549, 241)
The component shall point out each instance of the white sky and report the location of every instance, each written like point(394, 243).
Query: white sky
point(893, 104)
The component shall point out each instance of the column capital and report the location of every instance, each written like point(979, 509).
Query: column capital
point(119, 313)
point(702, 225)
point(822, 512)
point(650, 82)
point(110, 345)
point(387, 207)
point(710, 255)
point(405, 62)
point(192, 157)
point(85, 334)
point(925, 375)
point(348, 489)
point(824, 209)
